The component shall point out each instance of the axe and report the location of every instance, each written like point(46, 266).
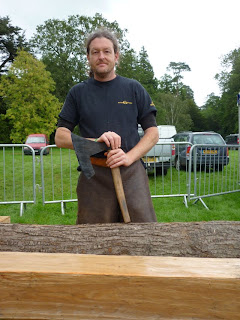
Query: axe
point(84, 148)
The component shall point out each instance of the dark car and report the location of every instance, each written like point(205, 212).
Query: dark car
point(215, 156)
point(232, 139)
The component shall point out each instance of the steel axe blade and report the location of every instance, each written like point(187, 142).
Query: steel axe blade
point(85, 148)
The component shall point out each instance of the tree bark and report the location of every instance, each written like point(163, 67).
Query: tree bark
point(215, 239)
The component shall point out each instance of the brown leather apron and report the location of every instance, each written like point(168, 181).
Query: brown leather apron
point(97, 201)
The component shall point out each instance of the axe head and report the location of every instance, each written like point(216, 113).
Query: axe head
point(85, 148)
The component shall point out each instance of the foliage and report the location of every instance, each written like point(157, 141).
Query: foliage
point(61, 44)
point(144, 72)
point(173, 111)
point(198, 119)
point(212, 114)
point(221, 113)
point(176, 100)
point(177, 68)
point(26, 90)
point(127, 66)
point(11, 39)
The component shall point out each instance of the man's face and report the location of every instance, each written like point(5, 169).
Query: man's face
point(102, 59)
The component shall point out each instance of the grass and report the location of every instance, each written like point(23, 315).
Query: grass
point(224, 207)
point(168, 209)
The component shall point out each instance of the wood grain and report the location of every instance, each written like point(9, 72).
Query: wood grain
point(5, 219)
point(74, 286)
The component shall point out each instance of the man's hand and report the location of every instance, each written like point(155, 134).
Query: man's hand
point(117, 158)
point(112, 139)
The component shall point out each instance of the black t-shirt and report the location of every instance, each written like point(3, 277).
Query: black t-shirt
point(117, 105)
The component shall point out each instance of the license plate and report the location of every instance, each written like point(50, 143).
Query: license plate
point(150, 159)
point(213, 152)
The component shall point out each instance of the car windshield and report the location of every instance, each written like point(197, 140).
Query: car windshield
point(35, 140)
point(207, 139)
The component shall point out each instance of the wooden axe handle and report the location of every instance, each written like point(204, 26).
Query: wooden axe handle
point(120, 194)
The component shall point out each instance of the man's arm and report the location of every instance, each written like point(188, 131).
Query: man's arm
point(149, 140)
point(116, 157)
point(63, 138)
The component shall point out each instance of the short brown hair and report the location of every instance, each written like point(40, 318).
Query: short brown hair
point(103, 33)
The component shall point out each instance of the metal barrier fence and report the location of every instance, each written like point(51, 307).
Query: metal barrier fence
point(177, 181)
point(168, 182)
point(59, 176)
point(192, 178)
point(17, 175)
point(58, 186)
point(214, 175)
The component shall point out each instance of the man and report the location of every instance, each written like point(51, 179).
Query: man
point(107, 109)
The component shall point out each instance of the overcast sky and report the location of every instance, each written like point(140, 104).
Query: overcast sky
point(196, 32)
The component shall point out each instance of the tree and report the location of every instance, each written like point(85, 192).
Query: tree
point(11, 39)
point(127, 66)
point(212, 113)
point(61, 44)
point(144, 72)
point(173, 111)
point(26, 90)
point(177, 68)
point(166, 84)
point(198, 119)
point(229, 83)
point(176, 100)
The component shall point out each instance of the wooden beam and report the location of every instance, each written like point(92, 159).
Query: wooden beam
point(215, 239)
point(5, 219)
point(73, 286)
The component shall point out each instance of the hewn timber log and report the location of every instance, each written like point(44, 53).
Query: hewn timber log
point(72, 286)
point(216, 239)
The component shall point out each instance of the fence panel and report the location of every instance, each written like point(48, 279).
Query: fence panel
point(17, 175)
point(215, 174)
point(59, 176)
point(165, 177)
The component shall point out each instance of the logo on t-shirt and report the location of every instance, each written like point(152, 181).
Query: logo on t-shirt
point(124, 102)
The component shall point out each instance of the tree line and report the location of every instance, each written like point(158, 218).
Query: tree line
point(36, 75)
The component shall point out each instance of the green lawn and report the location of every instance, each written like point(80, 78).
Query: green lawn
point(168, 209)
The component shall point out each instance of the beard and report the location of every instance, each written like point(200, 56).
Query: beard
point(103, 72)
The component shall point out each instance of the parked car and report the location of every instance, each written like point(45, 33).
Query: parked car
point(216, 155)
point(161, 155)
point(37, 141)
point(232, 139)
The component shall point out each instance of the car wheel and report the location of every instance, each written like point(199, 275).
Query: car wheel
point(161, 171)
point(219, 167)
